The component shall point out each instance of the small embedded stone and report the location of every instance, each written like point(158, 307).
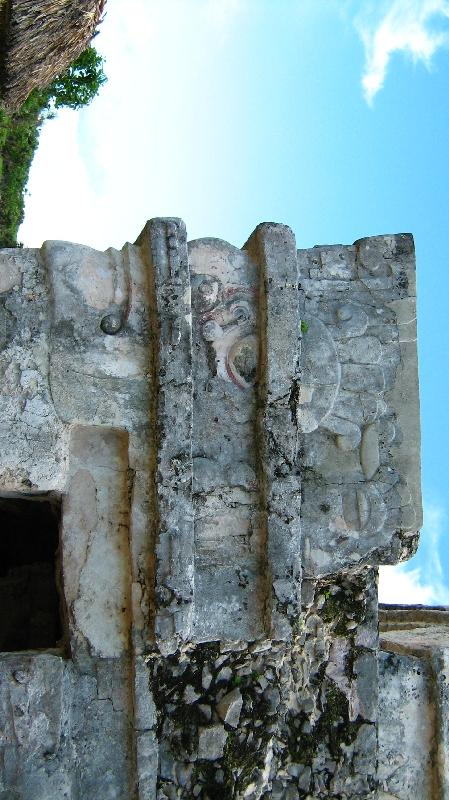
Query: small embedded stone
point(277, 790)
point(230, 707)
point(190, 695)
point(20, 676)
point(304, 779)
point(225, 674)
point(184, 773)
point(273, 697)
point(260, 647)
point(206, 678)
point(111, 323)
point(205, 710)
point(211, 742)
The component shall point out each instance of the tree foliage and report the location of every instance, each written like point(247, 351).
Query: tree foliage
point(80, 83)
point(19, 133)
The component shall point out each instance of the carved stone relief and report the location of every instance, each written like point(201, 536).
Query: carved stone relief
point(351, 356)
point(228, 533)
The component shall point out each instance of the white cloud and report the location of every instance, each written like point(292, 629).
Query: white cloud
point(422, 580)
point(413, 27)
point(404, 586)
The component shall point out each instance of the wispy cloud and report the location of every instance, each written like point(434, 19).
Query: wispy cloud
point(404, 586)
point(416, 28)
point(421, 581)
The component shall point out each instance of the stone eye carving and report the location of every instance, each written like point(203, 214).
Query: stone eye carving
point(241, 313)
point(351, 320)
point(212, 331)
point(363, 509)
point(242, 361)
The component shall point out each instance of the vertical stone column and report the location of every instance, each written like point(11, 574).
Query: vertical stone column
point(273, 248)
point(440, 667)
point(163, 244)
point(229, 526)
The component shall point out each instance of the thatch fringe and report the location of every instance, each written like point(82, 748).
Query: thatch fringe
point(42, 37)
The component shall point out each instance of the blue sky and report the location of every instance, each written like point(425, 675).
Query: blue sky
point(329, 115)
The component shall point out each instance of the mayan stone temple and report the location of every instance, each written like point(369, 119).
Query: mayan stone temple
point(205, 454)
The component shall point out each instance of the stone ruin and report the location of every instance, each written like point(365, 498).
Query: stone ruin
point(206, 452)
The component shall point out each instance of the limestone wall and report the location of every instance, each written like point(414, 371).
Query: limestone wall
point(232, 437)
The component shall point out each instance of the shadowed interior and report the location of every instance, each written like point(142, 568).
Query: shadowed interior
point(30, 616)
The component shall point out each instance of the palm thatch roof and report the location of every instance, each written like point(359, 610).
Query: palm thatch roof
point(39, 39)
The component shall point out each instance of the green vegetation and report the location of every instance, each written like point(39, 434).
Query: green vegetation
point(304, 326)
point(19, 134)
point(80, 83)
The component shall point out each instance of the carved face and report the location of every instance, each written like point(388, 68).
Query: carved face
point(227, 320)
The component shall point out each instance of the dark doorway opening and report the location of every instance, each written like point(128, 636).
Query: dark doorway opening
point(30, 607)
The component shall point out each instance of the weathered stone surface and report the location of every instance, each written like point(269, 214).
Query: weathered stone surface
point(211, 742)
point(59, 737)
point(234, 436)
point(229, 708)
point(95, 541)
point(359, 411)
point(414, 703)
point(288, 697)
